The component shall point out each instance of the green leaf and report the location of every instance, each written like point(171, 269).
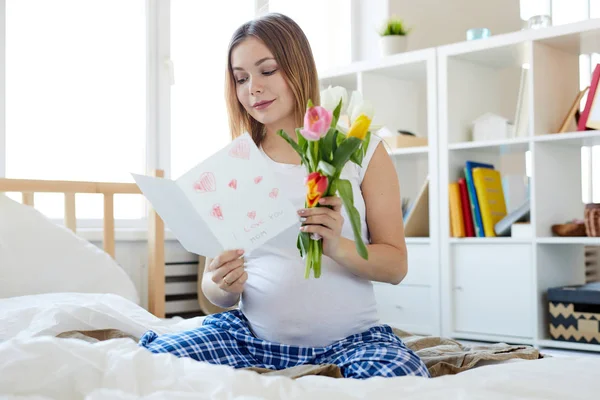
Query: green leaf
point(357, 157)
point(302, 243)
point(336, 114)
point(344, 188)
point(309, 104)
point(334, 143)
point(366, 142)
point(344, 152)
point(302, 142)
point(327, 146)
point(326, 168)
point(313, 154)
point(288, 139)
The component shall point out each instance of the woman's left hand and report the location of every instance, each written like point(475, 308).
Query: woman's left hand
point(325, 221)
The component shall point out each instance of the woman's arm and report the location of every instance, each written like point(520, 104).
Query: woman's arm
point(387, 252)
point(223, 279)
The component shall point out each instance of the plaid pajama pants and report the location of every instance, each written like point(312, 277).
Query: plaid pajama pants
point(226, 338)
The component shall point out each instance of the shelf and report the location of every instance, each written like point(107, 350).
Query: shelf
point(490, 240)
point(585, 138)
point(557, 344)
point(589, 241)
point(410, 151)
point(518, 145)
point(418, 240)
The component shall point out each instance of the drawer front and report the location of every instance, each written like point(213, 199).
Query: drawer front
point(420, 265)
point(492, 289)
point(406, 307)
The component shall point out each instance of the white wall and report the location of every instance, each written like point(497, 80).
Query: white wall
point(433, 22)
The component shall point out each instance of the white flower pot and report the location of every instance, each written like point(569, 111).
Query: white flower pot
point(392, 44)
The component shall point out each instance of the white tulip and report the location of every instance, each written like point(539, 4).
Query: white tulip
point(331, 96)
point(358, 106)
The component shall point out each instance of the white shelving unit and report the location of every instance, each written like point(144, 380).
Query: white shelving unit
point(485, 289)
point(493, 289)
point(403, 90)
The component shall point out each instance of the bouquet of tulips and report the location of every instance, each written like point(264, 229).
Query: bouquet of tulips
point(325, 147)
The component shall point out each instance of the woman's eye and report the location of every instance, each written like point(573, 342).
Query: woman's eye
point(241, 80)
point(270, 72)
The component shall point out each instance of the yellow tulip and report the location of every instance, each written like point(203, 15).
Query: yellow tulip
point(360, 127)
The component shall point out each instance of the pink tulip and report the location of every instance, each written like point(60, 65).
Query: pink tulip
point(317, 121)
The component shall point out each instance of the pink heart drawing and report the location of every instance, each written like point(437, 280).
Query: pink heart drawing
point(206, 183)
point(258, 179)
point(252, 214)
point(216, 212)
point(233, 184)
point(240, 150)
point(274, 193)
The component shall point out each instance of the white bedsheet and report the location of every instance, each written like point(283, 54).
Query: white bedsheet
point(33, 364)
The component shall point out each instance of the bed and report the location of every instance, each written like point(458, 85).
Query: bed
point(50, 345)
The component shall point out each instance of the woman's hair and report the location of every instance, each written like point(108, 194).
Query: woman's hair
point(292, 52)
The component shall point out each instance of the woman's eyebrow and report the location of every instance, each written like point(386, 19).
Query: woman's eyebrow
point(262, 60)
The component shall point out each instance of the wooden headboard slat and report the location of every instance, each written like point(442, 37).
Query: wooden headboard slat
point(156, 234)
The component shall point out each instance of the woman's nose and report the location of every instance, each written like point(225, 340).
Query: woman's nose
point(255, 87)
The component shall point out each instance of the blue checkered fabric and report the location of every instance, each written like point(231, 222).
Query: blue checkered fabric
point(226, 338)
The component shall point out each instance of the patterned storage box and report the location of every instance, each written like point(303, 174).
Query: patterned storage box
point(575, 313)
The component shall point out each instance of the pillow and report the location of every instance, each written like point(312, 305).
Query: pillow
point(38, 256)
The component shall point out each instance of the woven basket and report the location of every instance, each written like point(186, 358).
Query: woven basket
point(592, 219)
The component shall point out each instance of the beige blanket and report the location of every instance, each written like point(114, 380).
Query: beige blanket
point(441, 356)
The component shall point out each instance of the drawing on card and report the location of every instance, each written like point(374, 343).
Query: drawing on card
point(258, 179)
point(273, 194)
point(241, 149)
point(252, 214)
point(206, 183)
point(217, 212)
point(233, 184)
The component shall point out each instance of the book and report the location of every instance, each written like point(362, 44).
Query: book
point(466, 208)
point(488, 184)
point(475, 211)
point(583, 118)
point(457, 227)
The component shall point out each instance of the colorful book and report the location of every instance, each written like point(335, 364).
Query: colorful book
point(583, 118)
point(475, 212)
point(488, 184)
point(457, 227)
point(466, 208)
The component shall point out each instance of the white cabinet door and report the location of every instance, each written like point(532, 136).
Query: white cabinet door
point(420, 264)
point(492, 289)
point(406, 307)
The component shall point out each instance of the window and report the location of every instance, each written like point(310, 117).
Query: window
point(75, 96)
point(326, 24)
point(199, 125)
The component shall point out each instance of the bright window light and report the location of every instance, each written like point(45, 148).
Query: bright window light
point(76, 97)
point(199, 125)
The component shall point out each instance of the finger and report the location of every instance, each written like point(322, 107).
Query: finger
point(241, 279)
point(334, 201)
point(323, 219)
point(238, 286)
point(230, 278)
point(306, 212)
point(319, 229)
point(225, 269)
point(224, 258)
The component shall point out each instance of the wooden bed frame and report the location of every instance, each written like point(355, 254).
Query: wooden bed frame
point(156, 231)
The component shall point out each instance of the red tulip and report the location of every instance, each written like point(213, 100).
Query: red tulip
point(317, 186)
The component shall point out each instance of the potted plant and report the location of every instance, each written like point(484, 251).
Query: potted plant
point(393, 36)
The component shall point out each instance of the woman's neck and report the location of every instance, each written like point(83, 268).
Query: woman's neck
point(276, 147)
point(288, 127)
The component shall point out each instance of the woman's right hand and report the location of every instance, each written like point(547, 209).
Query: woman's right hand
point(227, 271)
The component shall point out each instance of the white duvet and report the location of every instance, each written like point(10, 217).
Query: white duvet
point(36, 365)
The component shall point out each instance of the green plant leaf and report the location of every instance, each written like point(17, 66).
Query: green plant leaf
point(344, 152)
point(326, 168)
point(313, 154)
point(302, 243)
point(366, 142)
point(336, 114)
point(357, 156)
point(344, 188)
point(326, 146)
point(302, 142)
point(334, 143)
point(294, 145)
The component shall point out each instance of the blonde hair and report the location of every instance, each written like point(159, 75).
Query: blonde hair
point(292, 52)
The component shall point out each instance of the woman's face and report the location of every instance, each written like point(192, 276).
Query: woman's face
point(260, 84)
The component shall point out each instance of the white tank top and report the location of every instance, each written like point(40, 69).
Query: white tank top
point(284, 307)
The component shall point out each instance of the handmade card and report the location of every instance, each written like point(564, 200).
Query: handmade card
point(229, 201)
